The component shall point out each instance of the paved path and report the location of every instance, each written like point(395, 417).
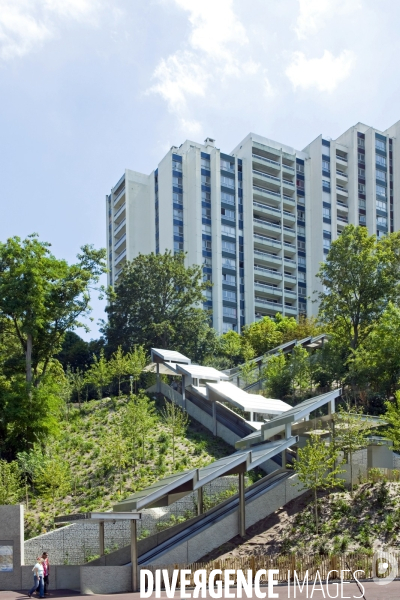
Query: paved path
point(350, 590)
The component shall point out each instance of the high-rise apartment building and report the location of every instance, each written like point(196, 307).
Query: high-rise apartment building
point(260, 219)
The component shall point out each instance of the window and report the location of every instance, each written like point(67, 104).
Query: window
point(208, 294)
point(381, 191)
point(207, 262)
point(228, 214)
point(227, 165)
point(361, 188)
point(228, 311)
point(228, 246)
point(227, 182)
point(205, 163)
point(381, 160)
point(227, 278)
point(300, 184)
point(229, 231)
point(228, 295)
point(177, 198)
point(381, 175)
point(206, 212)
point(301, 245)
point(177, 166)
point(301, 276)
point(380, 145)
point(178, 246)
point(205, 196)
point(326, 165)
point(361, 142)
point(362, 219)
point(361, 157)
point(299, 168)
point(361, 203)
point(381, 221)
point(229, 263)
point(326, 212)
point(301, 230)
point(381, 206)
point(361, 173)
point(302, 261)
point(227, 327)
point(206, 244)
point(178, 214)
point(205, 180)
point(206, 228)
point(327, 243)
point(326, 184)
point(228, 198)
point(177, 181)
point(207, 277)
point(301, 215)
point(178, 230)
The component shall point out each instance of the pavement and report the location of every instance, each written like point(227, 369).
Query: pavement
point(350, 590)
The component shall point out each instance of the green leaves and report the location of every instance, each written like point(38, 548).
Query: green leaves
point(10, 483)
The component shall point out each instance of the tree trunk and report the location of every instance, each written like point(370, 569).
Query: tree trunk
point(316, 509)
point(28, 357)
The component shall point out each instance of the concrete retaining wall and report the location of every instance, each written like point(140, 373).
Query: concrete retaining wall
point(105, 580)
point(62, 577)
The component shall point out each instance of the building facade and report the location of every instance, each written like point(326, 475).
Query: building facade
point(260, 219)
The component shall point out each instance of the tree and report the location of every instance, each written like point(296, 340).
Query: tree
point(10, 487)
point(316, 468)
point(136, 360)
point(42, 297)
point(392, 417)
point(147, 418)
point(376, 361)
point(53, 478)
point(176, 421)
point(262, 335)
point(115, 451)
point(119, 366)
point(248, 371)
point(29, 464)
point(77, 381)
point(299, 366)
point(360, 277)
point(277, 376)
point(99, 374)
point(132, 425)
point(351, 428)
point(230, 346)
point(156, 303)
point(74, 352)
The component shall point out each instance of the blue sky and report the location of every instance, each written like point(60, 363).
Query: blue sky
point(89, 87)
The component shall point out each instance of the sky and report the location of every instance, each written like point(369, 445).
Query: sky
point(91, 87)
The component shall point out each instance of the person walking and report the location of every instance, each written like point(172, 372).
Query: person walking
point(37, 578)
point(46, 572)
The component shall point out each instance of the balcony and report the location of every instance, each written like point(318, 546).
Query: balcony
point(341, 159)
point(342, 206)
point(120, 226)
point(274, 305)
point(119, 197)
point(267, 273)
point(265, 208)
point(288, 184)
point(267, 241)
point(287, 168)
point(342, 191)
point(268, 257)
point(291, 293)
point(265, 288)
point(289, 231)
point(342, 219)
point(267, 225)
point(270, 178)
point(290, 277)
point(288, 200)
point(119, 212)
point(341, 175)
point(120, 257)
point(288, 216)
point(290, 262)
point(266, 193)
point(273, 164)
point(290, 310)
point(119, 242)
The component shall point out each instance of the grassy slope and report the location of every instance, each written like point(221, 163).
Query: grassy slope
point(370, 520)
point(94, 487)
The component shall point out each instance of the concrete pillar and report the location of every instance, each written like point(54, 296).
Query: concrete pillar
point(158, 378)
point(283, 455)
point(214, 416)
point(101, 537)
point(134, 557)
point(242, 507)
point(251, 416)
point(331, 407)
point(200, 506)
point(288, 430)
point(183, 393)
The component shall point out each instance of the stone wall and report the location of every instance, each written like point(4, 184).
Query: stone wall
point(76, 544)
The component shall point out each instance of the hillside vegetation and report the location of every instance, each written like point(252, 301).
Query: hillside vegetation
point(95, 463)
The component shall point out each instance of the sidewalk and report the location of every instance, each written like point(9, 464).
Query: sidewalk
point(350, 590)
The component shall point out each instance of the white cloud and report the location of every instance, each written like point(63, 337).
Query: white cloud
point(210, 55)
point(324, 73)
point(314, 13)
point(26, 24)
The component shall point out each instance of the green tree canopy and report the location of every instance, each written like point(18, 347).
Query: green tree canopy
point(41, 297)
point(360, 277)
point(262, 335)
point(156, 303)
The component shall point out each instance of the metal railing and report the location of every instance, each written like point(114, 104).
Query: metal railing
point(266, 191)
point(263, 222)
point(266, 175)
point(267, 160)
point(119, 211)
point(267, 207)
